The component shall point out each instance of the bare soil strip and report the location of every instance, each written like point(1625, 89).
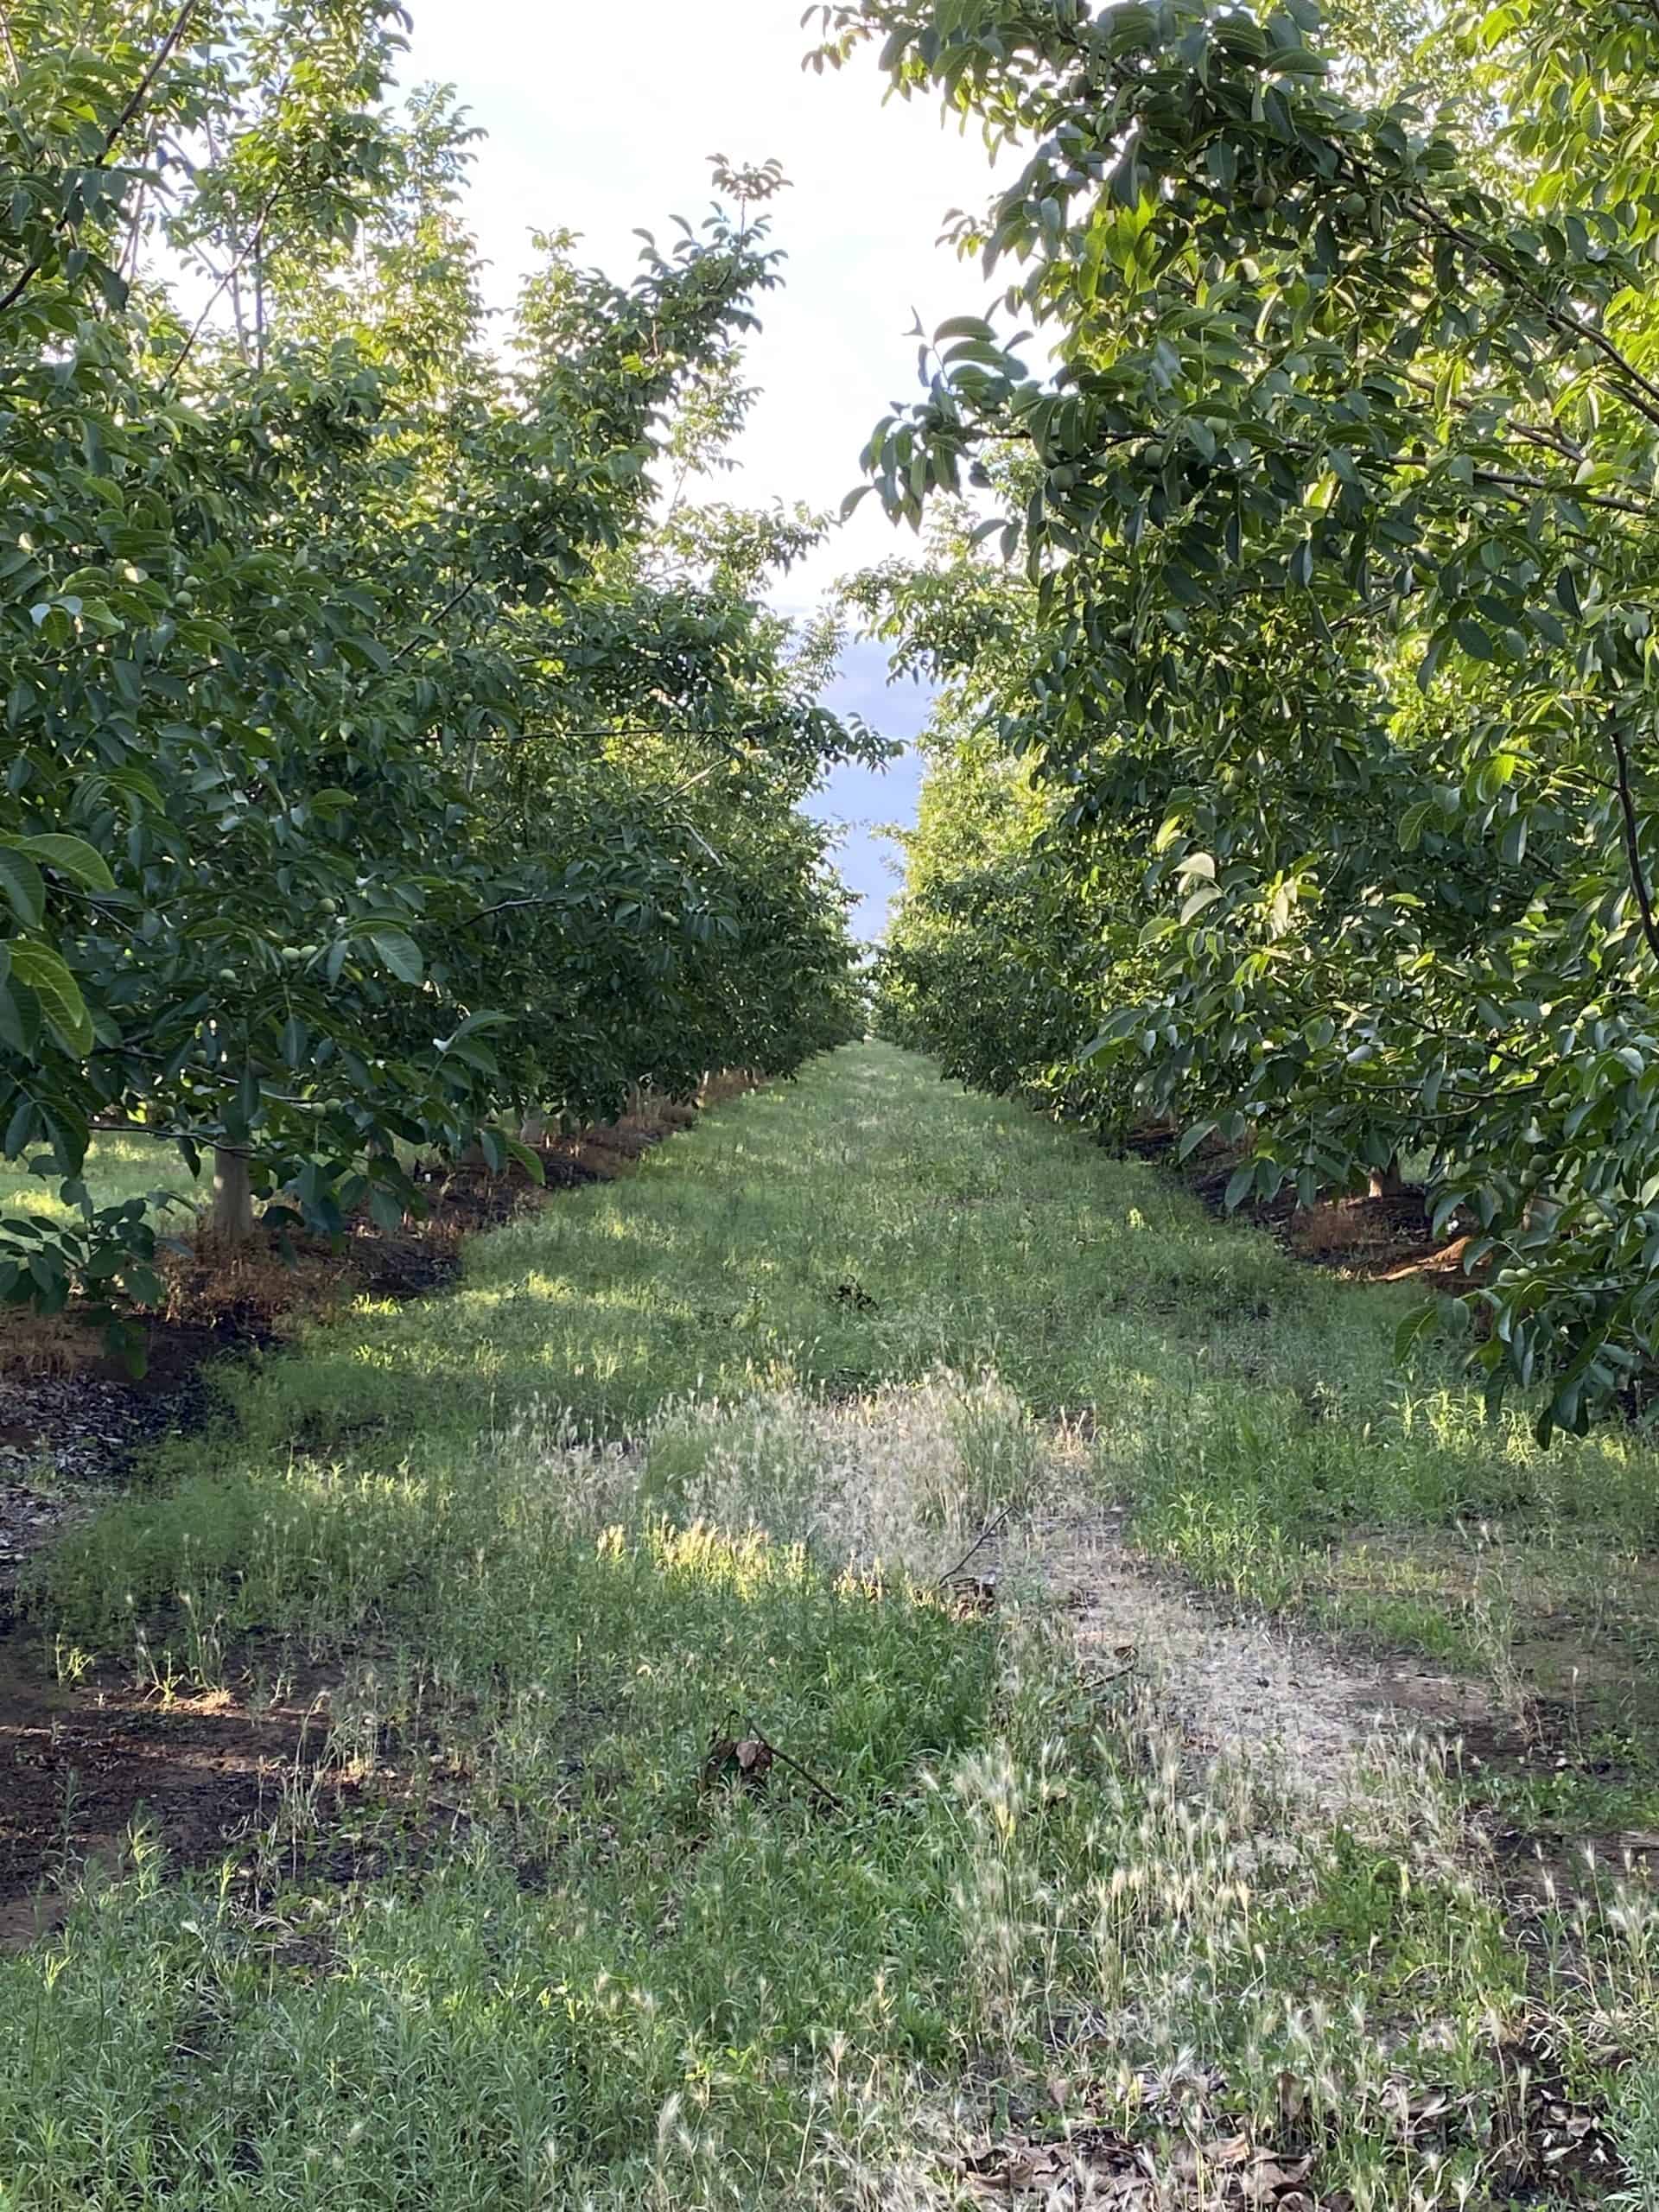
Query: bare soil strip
point(1291, 1697)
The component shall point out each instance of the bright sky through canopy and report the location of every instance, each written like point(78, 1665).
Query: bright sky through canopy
point(602, 119)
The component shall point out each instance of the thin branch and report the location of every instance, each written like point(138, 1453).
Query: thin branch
point(1559, 318)
point(449, 606)
point(725, 761)
point(176, 1133)
point(254, 248)
point(11, 53)
point(213, 299)
point(1643, 396)
point(127, 265)
point(984, 1536)
point(1611, 501)
point(112, 136)
point(664, 728)
point(163, 52)
point(805, 1773)
point(1632, 836)
point(1552, 437)
point(511, 905)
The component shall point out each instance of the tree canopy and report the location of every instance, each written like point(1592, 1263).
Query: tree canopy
point(396, 739)
point(1315, 419)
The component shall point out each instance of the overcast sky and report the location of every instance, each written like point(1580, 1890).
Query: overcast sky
point(601, 118)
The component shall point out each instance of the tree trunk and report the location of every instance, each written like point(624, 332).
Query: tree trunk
point(232, 1196)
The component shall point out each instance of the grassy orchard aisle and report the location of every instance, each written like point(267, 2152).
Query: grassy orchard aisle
point(502, 1945)
point(871, 1224)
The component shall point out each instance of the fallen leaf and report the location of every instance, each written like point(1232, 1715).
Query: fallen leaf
point(1270, 2178)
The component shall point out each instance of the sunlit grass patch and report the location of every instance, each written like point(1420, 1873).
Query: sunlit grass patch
point(899, 1476)
point(623, 1926)
point(120, 1164)
point(872, 1227)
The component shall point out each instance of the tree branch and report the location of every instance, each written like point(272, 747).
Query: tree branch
point(1644, 395)
point(1632, 836)
point(1609, 499)
point(229, 277)
point(112, 136)
point(163, 52)
point(11, 53)
point(421, 636)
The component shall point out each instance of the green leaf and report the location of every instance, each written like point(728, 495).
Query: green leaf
point(1445, 1207)
point(399, 951)
point(1239, 1183)
point(474, 1053)
point(13, 1033)
point(22, 882)
point(58, 992)
point(71, 856)
point(1194, 1138)
point(1205, 895)
point(1415, 1324)
point(386, 1207)
point(20, 1128)
point(528, 1160)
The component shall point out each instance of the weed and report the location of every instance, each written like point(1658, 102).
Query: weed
point(1636, 2122)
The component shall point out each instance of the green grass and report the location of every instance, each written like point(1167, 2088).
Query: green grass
point(682, 1456)
point(874, 1225)
point(118, 1168)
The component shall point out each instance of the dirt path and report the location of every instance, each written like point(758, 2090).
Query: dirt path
point(1283, 1697)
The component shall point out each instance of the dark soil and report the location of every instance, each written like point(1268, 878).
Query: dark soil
point(1380, 1239)
point(82, 1764)
point(73, 1412)
point(67, 1438)
point(98, 1769)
